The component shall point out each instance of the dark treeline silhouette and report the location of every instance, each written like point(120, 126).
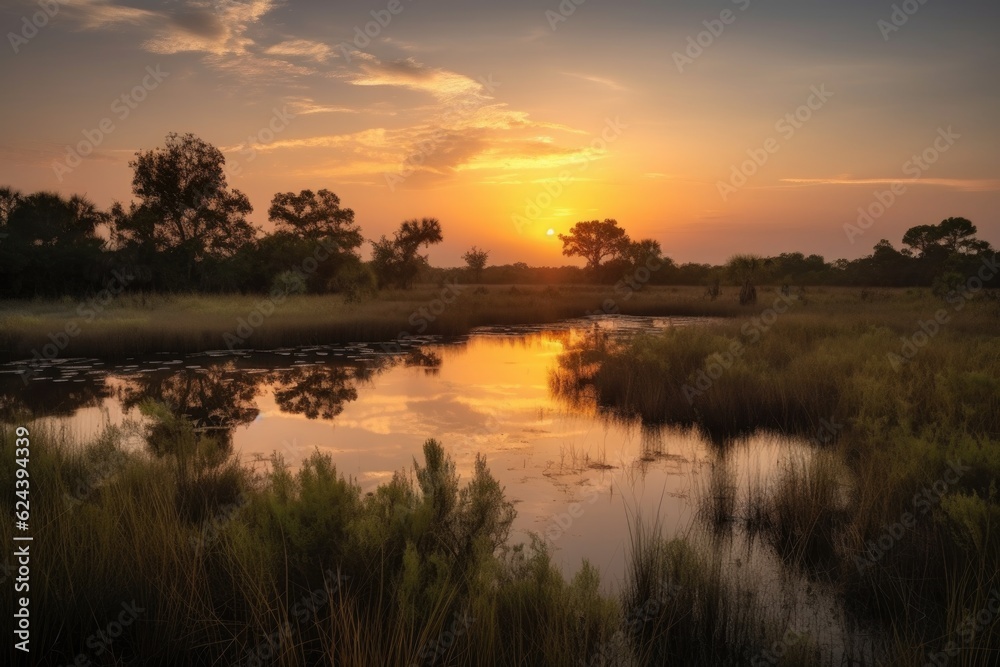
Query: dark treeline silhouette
point(187, 231)
point(943, 256)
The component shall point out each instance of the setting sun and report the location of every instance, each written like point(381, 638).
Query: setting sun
point(400, 333)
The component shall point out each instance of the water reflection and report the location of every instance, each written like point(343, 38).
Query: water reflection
point(318, 392)
point(215, 398)
point(61, 396)
point(521, 399)
point(577, 468)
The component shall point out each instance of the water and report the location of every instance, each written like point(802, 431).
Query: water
point(576, 475)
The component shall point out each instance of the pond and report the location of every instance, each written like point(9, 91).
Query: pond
point(576, 475)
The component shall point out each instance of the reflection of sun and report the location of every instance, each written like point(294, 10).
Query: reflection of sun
point(551, 232)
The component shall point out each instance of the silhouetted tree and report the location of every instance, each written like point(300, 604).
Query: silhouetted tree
point(475, 261)
point(396, 261)
point(50, 244)
point(594, 241)
point(746, 270)
point(185, 207)
point(316, 392)
point(215, 400)
point(315, 215)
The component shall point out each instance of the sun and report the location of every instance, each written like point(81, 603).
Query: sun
point(551, 232)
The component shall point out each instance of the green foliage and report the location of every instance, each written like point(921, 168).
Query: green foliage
point(289, 282)
point(355, 280)
point(395, 261)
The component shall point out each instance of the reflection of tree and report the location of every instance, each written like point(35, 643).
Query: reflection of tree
point(421, 358)
point(44, 398)
point(314, 391)
point(219, 398)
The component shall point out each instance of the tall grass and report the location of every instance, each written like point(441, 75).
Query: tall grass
point(881, 435)
point(132, 325)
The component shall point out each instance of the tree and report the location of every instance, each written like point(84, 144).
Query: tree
point(50, 244)
point(949, 237)
point(922, 238)
point(475, 261)
point(9, 200)
point(638, 253)
point(315, 215)
point(395, 261)
point(594, 241)
point(745, 270)
point(957, 235)
point(185, 205)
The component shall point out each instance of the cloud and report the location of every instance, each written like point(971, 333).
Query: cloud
point(302, 48)
point(963, 184)
point(408, 73)
point(608, 83)
point(220, 29)
point(199, 22)
point(304, 106)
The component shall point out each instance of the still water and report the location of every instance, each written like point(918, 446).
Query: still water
point(577, 476)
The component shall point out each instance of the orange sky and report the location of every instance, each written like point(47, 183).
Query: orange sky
point(504, 121)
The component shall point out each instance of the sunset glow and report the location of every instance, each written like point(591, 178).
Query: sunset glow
point(501, 120)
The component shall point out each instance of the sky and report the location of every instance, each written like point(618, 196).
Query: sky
point(715, 128)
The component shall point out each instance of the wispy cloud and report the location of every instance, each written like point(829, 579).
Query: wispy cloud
point(408, 73)
point(304, 106)
point(963, 184)
point(302, 48)
point(603, 81)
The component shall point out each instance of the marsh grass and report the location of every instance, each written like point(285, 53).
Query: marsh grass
point(306, 570)
point(426, 548)
point(136, 324)
point(826, 363)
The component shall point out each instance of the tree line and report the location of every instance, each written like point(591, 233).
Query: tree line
point(186, 230)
